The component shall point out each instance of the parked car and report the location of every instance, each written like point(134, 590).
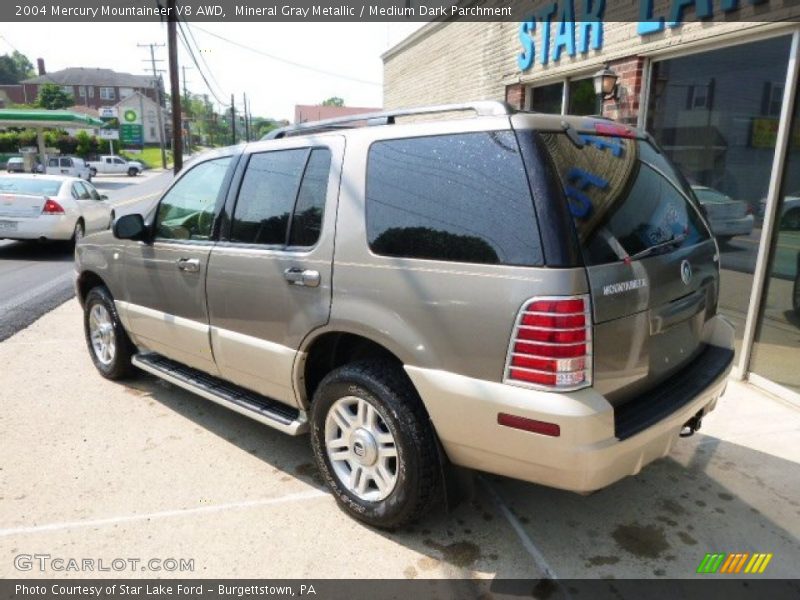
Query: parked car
point(727, 217)
point(414, 305)
point(50, 207)
point(108, 165)
point(790, 212)
point(71, 166)
point(15, 164)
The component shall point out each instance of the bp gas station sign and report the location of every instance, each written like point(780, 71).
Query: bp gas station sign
point(130, 127)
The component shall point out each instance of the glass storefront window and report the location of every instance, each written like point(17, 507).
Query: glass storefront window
point(582, 99)
point(547, 98)
point(714, 114)
point(776, 352)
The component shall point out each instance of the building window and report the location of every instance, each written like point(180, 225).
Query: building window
point(67, 89)
point(107, 93)
point(82, 91)
point(125, 92)
point(91, 91)
point(726, 150)
point(580, 97)
point(548, 98)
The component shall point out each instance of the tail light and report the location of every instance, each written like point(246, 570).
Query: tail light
point(51, 207)
point(551, 345)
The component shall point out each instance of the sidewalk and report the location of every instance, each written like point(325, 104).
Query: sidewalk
point(95, 469)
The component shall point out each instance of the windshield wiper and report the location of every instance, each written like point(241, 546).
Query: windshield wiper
point(648, 251)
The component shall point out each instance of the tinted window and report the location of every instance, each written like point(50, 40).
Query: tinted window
point(458, 197)
point(307, 218)
point(267, 196)
point(625, 198)
point(187, 210)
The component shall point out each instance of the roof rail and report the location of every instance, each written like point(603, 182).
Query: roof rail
point(484, 108)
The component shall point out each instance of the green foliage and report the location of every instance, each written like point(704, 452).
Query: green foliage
point(14, 68)
point(333, 101)
point(84, 146)
point(52, 97)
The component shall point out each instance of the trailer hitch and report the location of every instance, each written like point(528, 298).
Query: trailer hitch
point(692, 425)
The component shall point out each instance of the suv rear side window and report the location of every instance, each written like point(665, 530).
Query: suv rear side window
point(625, 198)
point(461, 198)
point(276, 185)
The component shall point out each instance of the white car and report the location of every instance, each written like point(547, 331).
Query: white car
point(50, 207)
point(727, 217)
point(71, 166)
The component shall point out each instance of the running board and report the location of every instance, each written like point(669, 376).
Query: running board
point(250, 404)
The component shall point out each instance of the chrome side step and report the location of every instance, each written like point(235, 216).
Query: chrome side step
point(250, 404)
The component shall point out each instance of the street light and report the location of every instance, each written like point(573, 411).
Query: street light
point(605, 86)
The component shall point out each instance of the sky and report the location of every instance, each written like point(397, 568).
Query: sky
point(350, 52)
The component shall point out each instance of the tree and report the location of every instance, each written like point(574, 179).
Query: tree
point(14, 68)
point(51, 96)
point(333, 101)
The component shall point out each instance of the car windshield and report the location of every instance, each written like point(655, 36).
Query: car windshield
point(33, 187)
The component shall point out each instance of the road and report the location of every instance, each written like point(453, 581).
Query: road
point(35, 277)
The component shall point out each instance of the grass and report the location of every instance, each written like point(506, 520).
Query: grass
point(151, 157)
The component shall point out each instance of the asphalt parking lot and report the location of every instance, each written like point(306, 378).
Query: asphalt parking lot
point(101, 470)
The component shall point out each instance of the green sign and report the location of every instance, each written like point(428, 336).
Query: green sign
point(131, 134)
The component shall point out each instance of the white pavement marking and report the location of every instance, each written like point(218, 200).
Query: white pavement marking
point(299, 497)
point(118, 203)
point(523, 536)
point(33, 292)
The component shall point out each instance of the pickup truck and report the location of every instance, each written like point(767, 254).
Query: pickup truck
point(108, 165)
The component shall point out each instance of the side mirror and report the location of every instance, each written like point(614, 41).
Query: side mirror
point(103, 197)
point(130, 227)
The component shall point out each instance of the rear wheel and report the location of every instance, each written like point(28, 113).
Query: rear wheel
point(109, 345)
point(78, 232)
point(374, 445)
point(92, 172)
point(791, 220)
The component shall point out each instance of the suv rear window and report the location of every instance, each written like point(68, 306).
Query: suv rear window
point(626, 199)
point(461, 198)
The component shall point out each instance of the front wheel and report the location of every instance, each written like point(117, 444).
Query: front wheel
point(109, 345)
point(133, 172)
point(92, 172)
point(374, 445)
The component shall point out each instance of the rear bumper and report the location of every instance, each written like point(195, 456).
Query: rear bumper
point(725, 227)
point(51, 227)
point(585, 457)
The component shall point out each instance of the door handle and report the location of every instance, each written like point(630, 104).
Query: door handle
point(306, 277)
point(190, 265)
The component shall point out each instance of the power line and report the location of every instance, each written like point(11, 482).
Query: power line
point(289, 62)
point(202, 58)
point(197, 64)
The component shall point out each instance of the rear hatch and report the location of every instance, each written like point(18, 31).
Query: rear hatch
point(650, 259)
point(25, 197)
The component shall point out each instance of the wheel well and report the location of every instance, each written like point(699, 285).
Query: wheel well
point(86, 282)
point(332, 350)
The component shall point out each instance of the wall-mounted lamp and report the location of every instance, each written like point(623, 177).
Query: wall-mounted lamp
point(605, 86)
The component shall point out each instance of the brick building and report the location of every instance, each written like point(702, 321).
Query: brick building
point(718, 95)
point(91, 87)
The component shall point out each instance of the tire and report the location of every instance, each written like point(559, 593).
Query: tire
point(102, 328)
point(791, 220)
point(78, 232)
point(411, 480)
point(92, 172)
point(133, 172)
point(796, 289)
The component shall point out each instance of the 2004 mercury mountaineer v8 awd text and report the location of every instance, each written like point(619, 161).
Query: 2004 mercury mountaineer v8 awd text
point(525, 294)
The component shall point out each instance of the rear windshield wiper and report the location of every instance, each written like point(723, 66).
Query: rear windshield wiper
point(677, 239)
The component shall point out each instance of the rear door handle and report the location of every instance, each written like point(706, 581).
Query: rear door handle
point(190, 265)
point(306, 277)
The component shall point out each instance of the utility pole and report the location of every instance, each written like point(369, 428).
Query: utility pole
point(246, 119)
point(175, 87)
point(157, 86)
point(233, 121)
point(187, 107)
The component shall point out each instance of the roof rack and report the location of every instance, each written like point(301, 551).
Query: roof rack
point(486, 108)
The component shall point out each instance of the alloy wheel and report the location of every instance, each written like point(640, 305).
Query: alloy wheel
point(101, 332)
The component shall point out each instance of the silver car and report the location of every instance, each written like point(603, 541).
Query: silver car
point(49, 207)
point(727, 217)
point(525, 294)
